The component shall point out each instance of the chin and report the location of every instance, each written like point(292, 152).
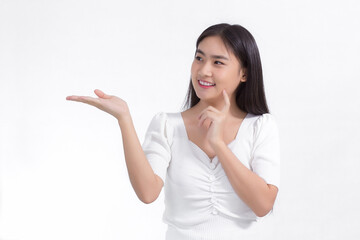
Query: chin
point(209, 99)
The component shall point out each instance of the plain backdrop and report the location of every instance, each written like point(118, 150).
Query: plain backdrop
point(63, 173)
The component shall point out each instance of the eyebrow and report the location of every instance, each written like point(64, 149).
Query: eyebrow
point(213, 56)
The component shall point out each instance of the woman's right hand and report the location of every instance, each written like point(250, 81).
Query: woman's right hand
point(146, 184)
point(110, 104)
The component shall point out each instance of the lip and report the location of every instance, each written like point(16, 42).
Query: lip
point(203, 86)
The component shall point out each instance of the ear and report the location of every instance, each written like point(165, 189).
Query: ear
point(243, 75)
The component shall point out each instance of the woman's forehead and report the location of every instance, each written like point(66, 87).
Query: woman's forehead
point(214, 45)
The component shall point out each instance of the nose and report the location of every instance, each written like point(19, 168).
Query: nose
point(205, 70)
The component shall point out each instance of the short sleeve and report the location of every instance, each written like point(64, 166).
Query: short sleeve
point(156, 145)
point(266, 150)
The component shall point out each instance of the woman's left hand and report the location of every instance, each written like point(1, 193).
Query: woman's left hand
point(215, 134)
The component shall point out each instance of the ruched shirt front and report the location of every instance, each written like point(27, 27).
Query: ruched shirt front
point(197, 190)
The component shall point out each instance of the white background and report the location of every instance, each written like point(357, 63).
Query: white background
point(63, 174)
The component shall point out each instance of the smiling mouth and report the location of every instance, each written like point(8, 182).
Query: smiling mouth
point(206, 84)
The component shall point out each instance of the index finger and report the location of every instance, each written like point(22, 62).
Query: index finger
point(227, 101)
point(83, 99)
point(75, 98)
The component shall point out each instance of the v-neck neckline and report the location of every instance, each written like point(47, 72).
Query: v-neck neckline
point(200, 149)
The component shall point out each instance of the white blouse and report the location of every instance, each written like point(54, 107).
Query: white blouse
point(200, 202)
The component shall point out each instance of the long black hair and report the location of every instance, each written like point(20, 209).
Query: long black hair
point(250, 95)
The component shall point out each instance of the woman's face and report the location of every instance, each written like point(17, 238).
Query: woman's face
point(215, 68)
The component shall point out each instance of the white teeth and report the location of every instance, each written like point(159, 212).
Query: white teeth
point(206, 83)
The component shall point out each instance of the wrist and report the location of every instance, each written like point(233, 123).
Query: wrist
point(217, 145)
point(124, 119)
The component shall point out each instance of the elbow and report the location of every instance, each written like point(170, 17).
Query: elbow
point(263, 211)
point(152, 192)
point(148, 200)
point(266, 206)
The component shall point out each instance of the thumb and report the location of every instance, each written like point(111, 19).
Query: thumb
point(101, 94)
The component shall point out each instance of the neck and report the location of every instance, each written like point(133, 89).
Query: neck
point(219, 104)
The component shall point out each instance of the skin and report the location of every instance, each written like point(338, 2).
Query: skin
point(211, 124)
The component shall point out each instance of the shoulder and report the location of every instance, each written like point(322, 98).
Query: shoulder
point(262, 124)
point(265, 128)
point(159, 120)
point(164, 118)
point(164, 124)
point(263, 120)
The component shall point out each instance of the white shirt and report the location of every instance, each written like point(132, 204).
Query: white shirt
point(199, 199)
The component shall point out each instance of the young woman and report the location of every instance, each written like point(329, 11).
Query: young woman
point(219, 160)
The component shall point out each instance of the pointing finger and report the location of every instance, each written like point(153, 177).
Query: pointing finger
point(227, 102)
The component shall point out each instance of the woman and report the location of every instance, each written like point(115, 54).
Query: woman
point(219, 160)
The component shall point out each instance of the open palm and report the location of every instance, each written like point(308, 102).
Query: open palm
point(110, 104)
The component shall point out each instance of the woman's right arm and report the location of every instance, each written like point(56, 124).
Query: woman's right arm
point(146, 183)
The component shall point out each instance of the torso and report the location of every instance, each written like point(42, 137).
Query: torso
point(197, 135)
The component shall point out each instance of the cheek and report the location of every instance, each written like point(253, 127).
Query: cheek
point(229, 80)
point(193, 68)
point(235, 76)
point(194, 72)
point(222, 78)
point(235, 85)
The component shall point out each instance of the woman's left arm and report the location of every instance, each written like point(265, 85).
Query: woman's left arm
point(249, 186)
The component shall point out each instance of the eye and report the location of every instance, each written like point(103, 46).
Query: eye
point(198, 58)
point(218, 63)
